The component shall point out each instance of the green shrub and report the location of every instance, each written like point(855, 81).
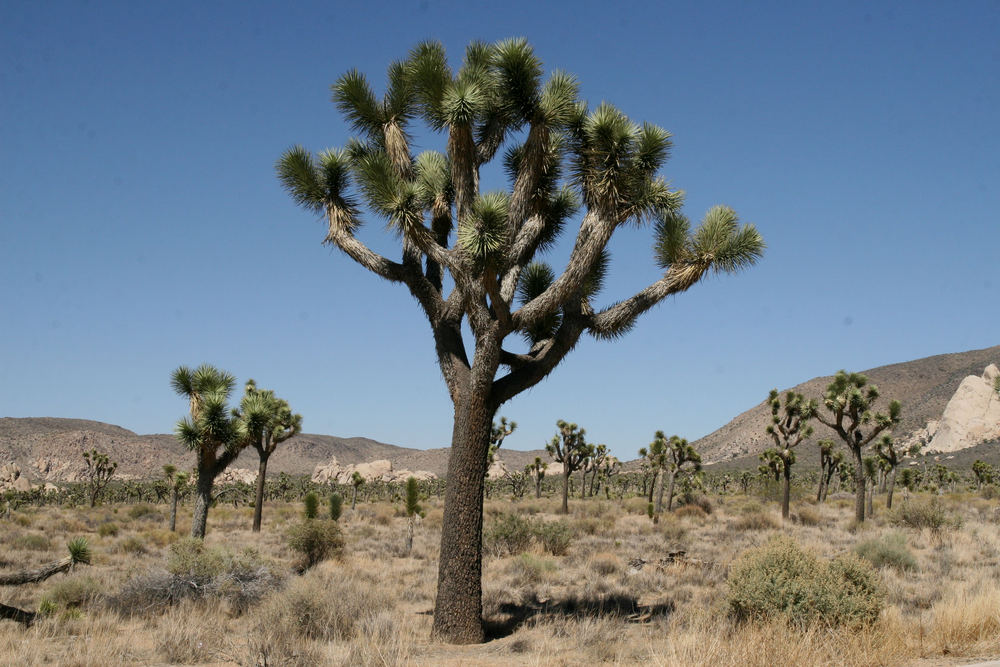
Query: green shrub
point(924, 515)
point(554, 536)
point(108, 529)
point(780, 580)
point(72, 592)
point(191, 559)
point(759, 520)
point(132, 545)
point(807, 516)
point(529, 569)
point(316, 541)
point(888, 551)
point(507, 534)
point(310, 504)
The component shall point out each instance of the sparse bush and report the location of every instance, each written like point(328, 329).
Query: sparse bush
point(673, 531)
point(315, 540)
point(925, 515)
point(690, 512)
point(71, 593)
point(336, 506)
point(780, 580)
point(108, 529)
point(508, 534)
point(143, 511)
point(32, 542)
point(888, 551)
point(699, 500)
point(605, 564)
point(554, 536)
point(132, 545)
point(530, 569)
point(759, 520)
point(807, 515)
point(990, 492)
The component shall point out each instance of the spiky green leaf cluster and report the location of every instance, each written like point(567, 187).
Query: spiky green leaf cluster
point(79, 550)
point(483, 236)
point(718, 242)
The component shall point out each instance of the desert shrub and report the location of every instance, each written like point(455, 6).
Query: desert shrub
point(32, 542)
point(315, 540)
point(887, 551)
point(699, 500)
point(72, 592)
point(759, 520)
point(690, 512)
point(530, 569)
point(673, 531)
point(108, 529)
point(807, 515)
point(23, 520)
point(990, 492)
point(780, 580)
point(554, 536)
point(143, 511)
point(196, 572)
point(132, 545)
point(507, 534)
point(383, 516)
point(925, 515)
point(605, 564)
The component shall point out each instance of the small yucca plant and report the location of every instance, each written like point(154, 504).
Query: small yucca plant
point(311, 505)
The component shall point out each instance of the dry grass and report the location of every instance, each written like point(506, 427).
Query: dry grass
point(590, 605)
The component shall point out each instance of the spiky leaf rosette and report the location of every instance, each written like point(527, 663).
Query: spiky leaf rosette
point(79, 550)
point(535, 279)
point(483, 236)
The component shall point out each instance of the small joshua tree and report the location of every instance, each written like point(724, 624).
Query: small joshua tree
point(850, 401)
point(789, 426)
point(568, 447)
point(889, 455)
point(310, 505)
point(336, 506)
point(682, 457)
point(592, 466)
point(656, 457)
point(98, 473)
point(829, 465)
point(983, 472)
point(498, 434)
point(537, 472)
point(356, 481)
point(413, 509)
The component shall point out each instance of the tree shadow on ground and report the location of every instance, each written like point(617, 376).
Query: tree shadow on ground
point(510, 616)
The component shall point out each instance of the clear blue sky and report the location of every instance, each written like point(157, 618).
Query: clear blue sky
point(142, 227)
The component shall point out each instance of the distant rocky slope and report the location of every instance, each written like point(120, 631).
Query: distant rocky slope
point(48, 449)
point(924, 387)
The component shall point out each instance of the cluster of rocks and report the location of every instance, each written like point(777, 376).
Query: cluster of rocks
point(335, 473)
point(11, 479)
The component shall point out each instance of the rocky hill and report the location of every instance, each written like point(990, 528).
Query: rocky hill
point(924, 387)
point(48, 449)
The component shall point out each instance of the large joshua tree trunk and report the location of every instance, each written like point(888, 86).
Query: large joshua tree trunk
point(458, 610)
point(261, 477)
point(659, 492)
point(173, 510)
point(670, 491)
point(203, 498)
point(565, 493)
point(859, 486)
point(786, 492)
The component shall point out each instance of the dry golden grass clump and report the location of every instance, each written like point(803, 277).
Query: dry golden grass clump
point(603, 585)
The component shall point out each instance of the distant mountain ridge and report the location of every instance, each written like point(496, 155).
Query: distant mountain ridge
point(51, 449)
point(923, 386)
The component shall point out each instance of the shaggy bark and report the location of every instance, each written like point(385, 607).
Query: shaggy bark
point(258, 507)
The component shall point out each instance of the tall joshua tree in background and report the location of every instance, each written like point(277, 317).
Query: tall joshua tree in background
point(214, 434)
point(850, 401)
point(657, 457)
point(681, 456)
point(829, 463)
point(269, 422)
point(568, 447)
point(177, 482)
point(889, 454)
point(789, 426)
point(536, 470)
point(561, 158)
point(498, 433)
point(98, 473)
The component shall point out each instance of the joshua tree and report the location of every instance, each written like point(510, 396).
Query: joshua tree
point(79, 553)
point(829, 464)
point(178, 483)
point(336, 506)
point(412, 510)
point(310, 505)
point(680, 454)
point(269, 422)
point(356, 481)
point(593, 465)
point(656, 457)
point(560, 157)
point(850, 401)
point(498, 434)
point(789, 426)
point(746, 478)
point(537, 472)
point(983, 472)
point(889, 456)
point(870, 466)
point(568, 447)
point(97, 474)
point(211, 431)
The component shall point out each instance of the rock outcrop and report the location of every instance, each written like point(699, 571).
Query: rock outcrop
point(11, 478)
point(380, 469)
point(972, 415)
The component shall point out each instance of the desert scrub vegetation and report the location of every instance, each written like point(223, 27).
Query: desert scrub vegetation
point(781, 580)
